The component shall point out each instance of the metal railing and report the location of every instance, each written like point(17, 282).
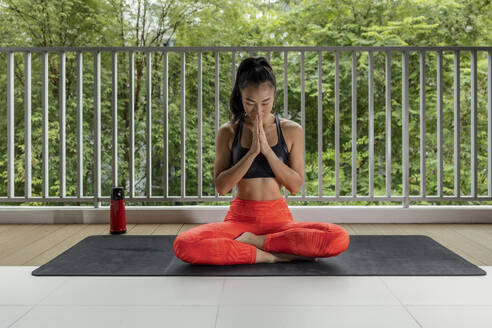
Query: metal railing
point(405, 197)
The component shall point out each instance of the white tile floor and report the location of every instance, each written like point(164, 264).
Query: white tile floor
point(223, 302)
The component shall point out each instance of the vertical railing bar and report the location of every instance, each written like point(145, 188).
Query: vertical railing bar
point(388, 123)
point(200, 194)
point(166, 124)
point(457, 128)
point(45, 126)
point(489, 121)
point(439, 123)
point(423, 117)
point(233, 67)
point(286, 97)
point(28, 124)
point(131, 64)
point(183, 138)
point(114, 108)
point(337, 125)
point(149, 124)
point(354, 124)
point(10, 124)
point(97, 128)
point(320, 126)
point(216, 103)
point(371, 124)
point(80, 142)
point(286, 86)
point(473, 123)
point(269, 56)
point(62, 109)
point(405, 131)
point(303, 119)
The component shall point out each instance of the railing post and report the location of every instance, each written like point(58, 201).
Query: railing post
point(405, 146)
point(97, 128)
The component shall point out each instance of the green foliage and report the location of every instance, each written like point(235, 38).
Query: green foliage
point(246, 23)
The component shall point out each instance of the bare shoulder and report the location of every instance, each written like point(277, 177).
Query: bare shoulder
point(291, 131)
point(290, 127)
point(226, 133)
point(227, 127)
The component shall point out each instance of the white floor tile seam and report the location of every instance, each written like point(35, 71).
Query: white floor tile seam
point(51, 292)
point(250, 305)
point(255, 305)
point(23, 315)
point(218, 306)
point(216, 320)
point(177, 306)
point(398, 299)
point(449, 306)
point(362, 306)
point(237, 304)
point(311, 304)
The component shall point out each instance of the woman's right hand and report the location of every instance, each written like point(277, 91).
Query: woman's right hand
point(255, 147)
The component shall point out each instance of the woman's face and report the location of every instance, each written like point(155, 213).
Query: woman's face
point(258, 99)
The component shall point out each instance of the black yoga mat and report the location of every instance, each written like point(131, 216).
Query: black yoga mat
point(153, 255)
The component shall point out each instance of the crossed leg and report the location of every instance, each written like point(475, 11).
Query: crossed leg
point(310, 239)
point(223, 243)
point(219, 243)
point(213, 243)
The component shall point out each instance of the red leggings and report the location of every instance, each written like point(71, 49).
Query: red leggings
point(214, 244)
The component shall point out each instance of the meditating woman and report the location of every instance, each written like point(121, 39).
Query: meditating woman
point(258, 227)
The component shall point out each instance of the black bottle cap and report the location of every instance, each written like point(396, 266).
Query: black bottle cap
point(117, 193)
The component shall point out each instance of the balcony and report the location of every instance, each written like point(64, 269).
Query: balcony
point(387, 301)
point(335, 70)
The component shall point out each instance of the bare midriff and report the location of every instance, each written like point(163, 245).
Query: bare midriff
point(259, 189)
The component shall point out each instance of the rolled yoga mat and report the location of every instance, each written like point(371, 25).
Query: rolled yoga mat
point(153, 255)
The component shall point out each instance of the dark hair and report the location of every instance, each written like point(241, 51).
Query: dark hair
point(251, 71)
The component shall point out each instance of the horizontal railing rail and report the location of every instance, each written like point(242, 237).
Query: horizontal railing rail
point(97, 197)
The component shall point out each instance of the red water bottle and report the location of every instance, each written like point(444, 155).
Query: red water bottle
point(117, 211)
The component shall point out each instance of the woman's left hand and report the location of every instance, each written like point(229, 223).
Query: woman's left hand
point(264, 146)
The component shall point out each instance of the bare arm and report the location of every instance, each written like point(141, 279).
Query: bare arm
point(293, 176)
point(224, 177)
point(228, 178)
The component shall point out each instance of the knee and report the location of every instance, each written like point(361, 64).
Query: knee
point(341, 242)
point(337, 243)
point(182, 249)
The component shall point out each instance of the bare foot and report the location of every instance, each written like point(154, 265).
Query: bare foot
point(252, 239)
point(258, 241)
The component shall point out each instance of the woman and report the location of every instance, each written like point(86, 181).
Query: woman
point(259, 227)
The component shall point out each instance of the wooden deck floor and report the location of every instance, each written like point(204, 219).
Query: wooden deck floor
point(36, 244)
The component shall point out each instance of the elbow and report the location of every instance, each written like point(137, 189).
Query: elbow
point(294, 190)
point(220, 189)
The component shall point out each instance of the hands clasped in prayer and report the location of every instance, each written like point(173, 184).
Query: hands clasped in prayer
point(259, 142)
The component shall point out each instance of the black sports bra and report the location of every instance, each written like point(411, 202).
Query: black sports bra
point(260, 168)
